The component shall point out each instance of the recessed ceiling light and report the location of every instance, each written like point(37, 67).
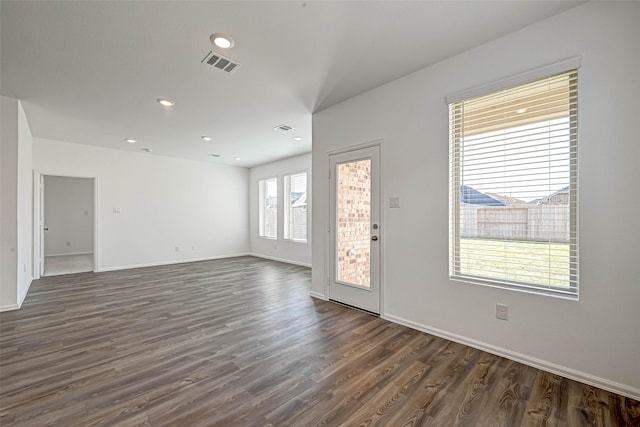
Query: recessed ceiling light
point(236, 158)
point(223, 41)
point(214, 155)
point(148, 150)
point(297, 138)
point(165, 102)
point(206, 138)
point(130, 141)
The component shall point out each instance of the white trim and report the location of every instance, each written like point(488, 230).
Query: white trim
point(175, 261)
point(368, 144)
point(21, 300)
point(528, 289)
point(330, 225)
point(517, 79)
point(81, 174)
point(96, 224)
point(96, 213)
point(288, 261)
point(583, 377)
point(71, 253)
point(35, 225)
point(318, 295)
point(9, 307)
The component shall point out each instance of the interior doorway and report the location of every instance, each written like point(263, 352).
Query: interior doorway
point(64, 230)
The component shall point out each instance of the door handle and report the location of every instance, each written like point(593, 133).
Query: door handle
point(374, 238)
point(46, 229)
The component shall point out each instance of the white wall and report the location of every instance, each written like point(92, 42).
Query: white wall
point(8, 202)
point(25, 204)
point(68, 215)
point(596, 339)
point(16, 185)
point(164, 203)
point(280, 249)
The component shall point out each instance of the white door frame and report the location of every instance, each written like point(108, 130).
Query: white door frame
point(38, 218)
point(330, 226)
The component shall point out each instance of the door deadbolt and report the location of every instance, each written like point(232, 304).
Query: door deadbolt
point(375, 226)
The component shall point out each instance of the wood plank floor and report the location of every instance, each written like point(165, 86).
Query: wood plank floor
point(239, 342)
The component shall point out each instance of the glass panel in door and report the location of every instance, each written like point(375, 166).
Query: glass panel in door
point(353, 217)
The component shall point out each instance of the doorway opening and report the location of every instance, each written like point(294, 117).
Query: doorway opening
point(65, 227)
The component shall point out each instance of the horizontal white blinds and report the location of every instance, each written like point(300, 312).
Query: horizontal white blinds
point(268, 208)
point(296, 207)
point(513, 186)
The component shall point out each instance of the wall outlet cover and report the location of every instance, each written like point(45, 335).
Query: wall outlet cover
point(502, 311)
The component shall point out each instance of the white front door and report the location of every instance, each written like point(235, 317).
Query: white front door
point(355, 228)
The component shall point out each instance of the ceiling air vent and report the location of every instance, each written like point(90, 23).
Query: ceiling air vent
point(220, 62)
point(282, 128)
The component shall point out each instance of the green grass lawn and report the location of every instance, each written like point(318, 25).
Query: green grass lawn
point(529, 262)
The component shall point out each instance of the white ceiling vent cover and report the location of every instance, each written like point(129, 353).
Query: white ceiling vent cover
point(282, 128)
point(220, 62)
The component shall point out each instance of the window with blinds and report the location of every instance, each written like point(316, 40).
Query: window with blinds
point(295, 210)
point(268, 208)
point(513, 187)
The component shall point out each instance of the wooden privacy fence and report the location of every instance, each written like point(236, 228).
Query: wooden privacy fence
point(519, 222)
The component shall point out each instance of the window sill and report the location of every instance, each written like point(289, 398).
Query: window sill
point(528, 289)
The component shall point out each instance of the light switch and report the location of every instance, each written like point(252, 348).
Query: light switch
point(394, 202)
point(116, 210)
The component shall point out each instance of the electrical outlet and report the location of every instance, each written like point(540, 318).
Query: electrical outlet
point(275, 247)
point(502, 312)
point(68, 243)
point(177, 248)
point(193, 248)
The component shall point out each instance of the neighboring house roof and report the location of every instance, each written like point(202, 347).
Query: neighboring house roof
point(559, 197)
point(271, 202)
point(472, 196)
point(507, 200)
point(298, 199)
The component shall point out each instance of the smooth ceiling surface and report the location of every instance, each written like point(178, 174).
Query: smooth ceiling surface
point(90, 71)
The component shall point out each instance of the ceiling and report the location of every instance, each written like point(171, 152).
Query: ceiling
point(90, 71)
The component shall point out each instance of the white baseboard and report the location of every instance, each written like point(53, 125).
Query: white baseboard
point(175, 261)
point(543, 365)
point(22, 298)
point(20, 301)
point(288, 261)
point(318, 295)
point(9, 307)
point(70, 253)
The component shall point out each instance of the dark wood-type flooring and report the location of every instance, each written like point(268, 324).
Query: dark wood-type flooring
point(239, 342)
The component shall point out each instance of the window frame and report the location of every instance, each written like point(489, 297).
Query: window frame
point(455, 181)
point(287, 207)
